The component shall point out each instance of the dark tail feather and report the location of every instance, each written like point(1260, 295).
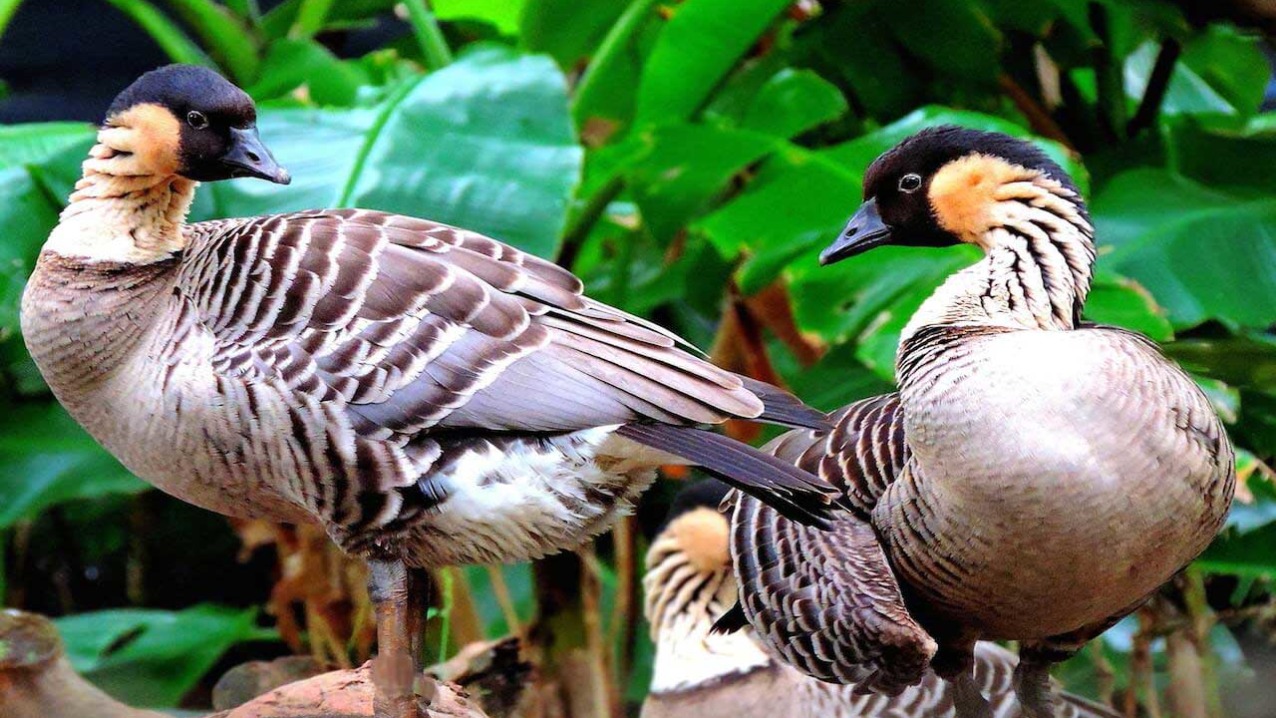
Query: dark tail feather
point(796, 494)
point(731, 621)
point(781, 407)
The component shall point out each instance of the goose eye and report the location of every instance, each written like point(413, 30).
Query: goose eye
point(196, 119)
point(910, 182)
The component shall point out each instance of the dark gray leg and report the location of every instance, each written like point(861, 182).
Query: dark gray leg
point(395, 593)
point(1033, 687)
point(968, 701)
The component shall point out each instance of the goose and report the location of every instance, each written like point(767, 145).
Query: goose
point(427, 395)
point(699, 673)
point(1035, 477)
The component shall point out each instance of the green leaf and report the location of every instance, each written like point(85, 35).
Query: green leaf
point(311, 15)
point(7, 9)
point(1188, 93)
point(153, 658)
point(681, 167)
point(1191, 247)
point(608, 87)
point(485, 143)
point(279, 20)
point(567, 30)
point(38, 142)
point(29, 207)
point(1246, 360)
point(503, 14)
point(1224, 153)
point(696, 49)
point(1122, 302)
point(792, 102)
point(290, 64)
point(853, 46)
point(164, 31)
point(48, 459)
point(791, 209)
point(1246, 554)
point(225, 34)
point(1231, 63)
point(957, 38)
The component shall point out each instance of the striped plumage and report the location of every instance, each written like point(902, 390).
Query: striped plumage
point(1035, 477)
point(699, 673)
point(403, 382)
point(428, 395)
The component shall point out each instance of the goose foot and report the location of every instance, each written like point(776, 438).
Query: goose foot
point(968, 701)
point(401, 689)
point(1034, 689)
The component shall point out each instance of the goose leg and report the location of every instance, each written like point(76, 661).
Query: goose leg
point(968, 700)
point(1033, 687)
point(394, 591)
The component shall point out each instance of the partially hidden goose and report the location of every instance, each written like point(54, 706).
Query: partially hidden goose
point(426, 394)
point(699, 673)
point(1034, 478)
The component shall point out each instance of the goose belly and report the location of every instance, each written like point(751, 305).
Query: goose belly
point(520, 498)
point(1057, 478)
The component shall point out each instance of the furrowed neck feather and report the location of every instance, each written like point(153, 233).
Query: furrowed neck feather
point(127, 207)
point(1037, 268)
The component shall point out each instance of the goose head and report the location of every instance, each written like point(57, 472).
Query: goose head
point(950, 185)
point(188, 121)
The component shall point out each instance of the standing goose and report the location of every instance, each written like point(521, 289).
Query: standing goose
point(1035, 477)
point(428, 395)
point(702, 674)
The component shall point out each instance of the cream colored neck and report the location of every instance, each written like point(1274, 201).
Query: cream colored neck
point(121, 209)
point(1035, 274)
point(682, 602)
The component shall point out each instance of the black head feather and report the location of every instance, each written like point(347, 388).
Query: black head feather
point(707, 493)
point(216, 121)
point(922, 155)
point(185, 88)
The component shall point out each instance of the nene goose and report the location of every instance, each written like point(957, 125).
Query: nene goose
point(426, 394)
point(1035, 477)
point(699, 673)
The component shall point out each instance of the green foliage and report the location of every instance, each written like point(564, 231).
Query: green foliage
point(153, 658)
point(667, 151)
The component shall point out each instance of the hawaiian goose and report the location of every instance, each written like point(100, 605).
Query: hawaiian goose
point(1035, 477)
point(426, 394)
point(703, 674)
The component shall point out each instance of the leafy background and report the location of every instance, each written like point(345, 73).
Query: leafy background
point(689, 160)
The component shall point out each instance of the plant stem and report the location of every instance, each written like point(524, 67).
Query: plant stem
point(1108, 78)
point(1158, 85)
point(1038, 117)
point(578, 229)
point(425, 26)
point(500, 589)
point(610, 50)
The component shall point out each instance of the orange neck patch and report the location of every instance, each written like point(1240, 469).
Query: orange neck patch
point(703, 536)
point(151, 135)
point(964, 192)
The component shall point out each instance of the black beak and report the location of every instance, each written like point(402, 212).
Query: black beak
point(865, 231)
point(248, 157)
